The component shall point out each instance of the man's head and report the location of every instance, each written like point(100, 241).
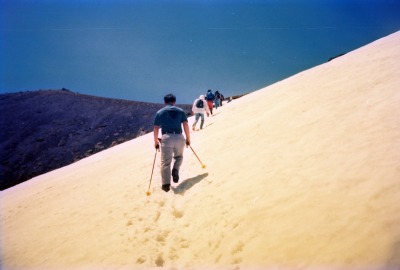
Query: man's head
point(169, 99)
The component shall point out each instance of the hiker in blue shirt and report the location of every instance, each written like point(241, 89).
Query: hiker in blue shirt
point(217, 99)
point(171, 119)
point(210, 100)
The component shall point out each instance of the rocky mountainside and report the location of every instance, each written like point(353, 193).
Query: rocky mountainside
point(47, 129)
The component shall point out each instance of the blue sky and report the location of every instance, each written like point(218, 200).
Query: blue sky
point(141, 50)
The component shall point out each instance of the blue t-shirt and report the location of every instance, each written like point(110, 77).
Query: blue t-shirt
point(170, 119)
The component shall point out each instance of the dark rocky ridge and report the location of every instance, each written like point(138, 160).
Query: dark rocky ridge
point(47, 129)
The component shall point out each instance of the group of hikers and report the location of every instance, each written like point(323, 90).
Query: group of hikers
point(215, 98)
point(170, 120)
point(205, 103)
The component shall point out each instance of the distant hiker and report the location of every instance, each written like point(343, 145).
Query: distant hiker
point(210, 100)
point(142, 132)
point(217, 99)
point(199, 106)
point(222, 99)
point(171, 119)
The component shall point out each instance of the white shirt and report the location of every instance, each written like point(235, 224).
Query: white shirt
point(200, 110)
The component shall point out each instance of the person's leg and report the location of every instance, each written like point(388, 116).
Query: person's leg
point(210, 105)
point(202, 120)
point(179, 146)
point(196, 117)
point(167, 151)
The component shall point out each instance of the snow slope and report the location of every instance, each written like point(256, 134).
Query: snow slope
point(303, 174)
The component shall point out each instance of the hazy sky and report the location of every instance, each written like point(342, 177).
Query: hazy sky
point(141, 50)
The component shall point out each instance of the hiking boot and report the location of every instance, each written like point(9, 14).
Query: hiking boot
point(175, 175)
point(166, 187)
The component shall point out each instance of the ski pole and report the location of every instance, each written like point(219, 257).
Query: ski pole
point(202, 165)
point(148, 193)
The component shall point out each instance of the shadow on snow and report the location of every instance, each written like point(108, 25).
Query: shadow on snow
point(188, 184)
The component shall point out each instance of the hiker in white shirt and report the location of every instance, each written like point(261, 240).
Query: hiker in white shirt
point(199, 107)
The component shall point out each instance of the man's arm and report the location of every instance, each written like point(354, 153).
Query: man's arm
point(193, 107)
point(187, 132)
point(155, 133)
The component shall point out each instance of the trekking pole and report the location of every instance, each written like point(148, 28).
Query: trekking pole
point(202, 165)
point(148, 193)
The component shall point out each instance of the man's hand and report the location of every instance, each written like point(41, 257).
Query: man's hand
point(187, 132)
point(157, 145)
point(208, 115)
point(156, 139)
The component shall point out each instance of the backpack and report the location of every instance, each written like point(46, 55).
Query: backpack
point(199, 103)
point(210, 96)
